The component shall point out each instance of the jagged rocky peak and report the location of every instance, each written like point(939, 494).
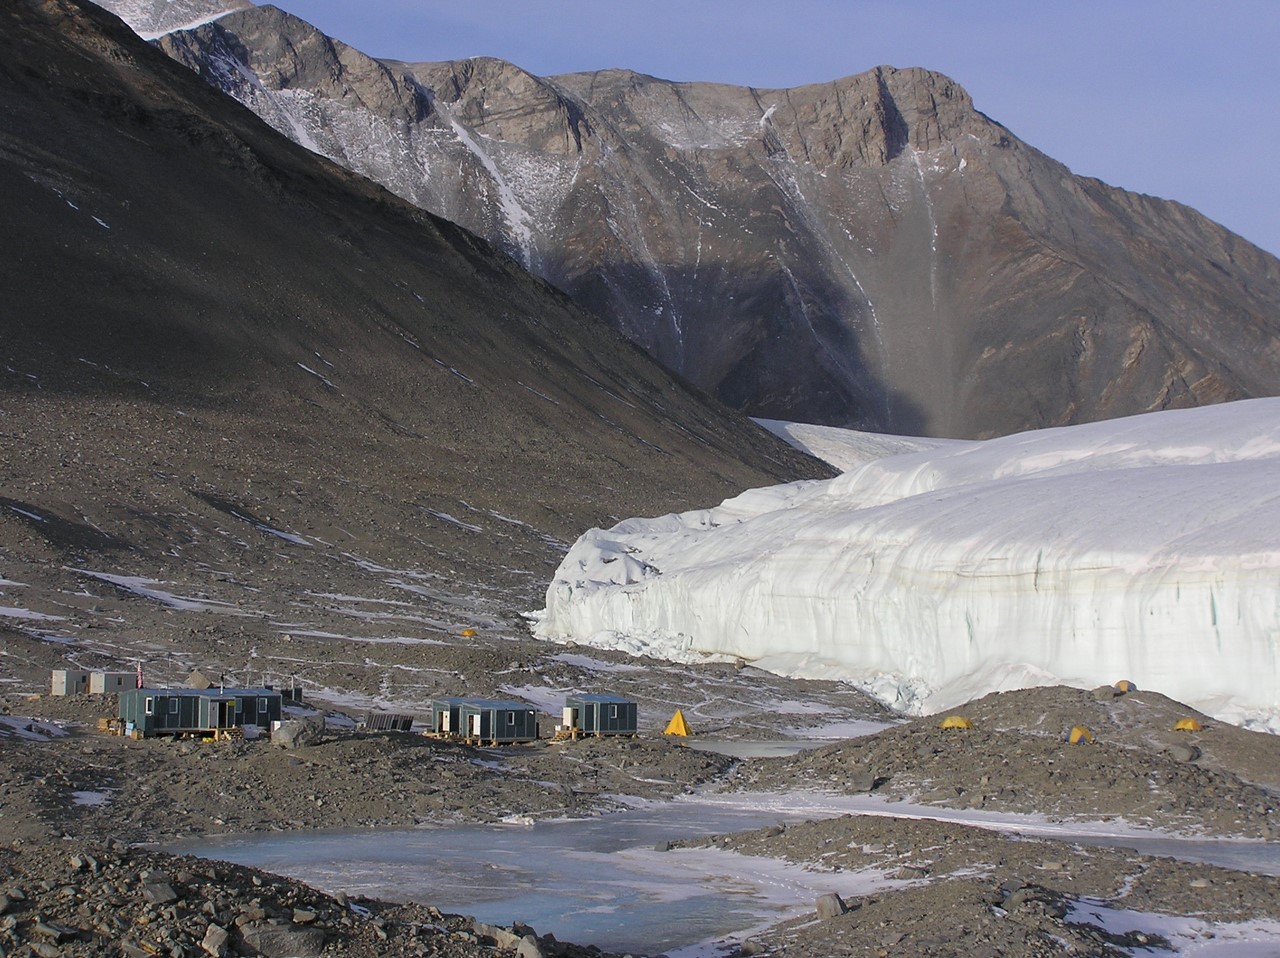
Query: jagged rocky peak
point(283, 52)
point(871, 118)
point(499, 100)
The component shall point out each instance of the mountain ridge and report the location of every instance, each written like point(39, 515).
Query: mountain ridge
point(870, 252)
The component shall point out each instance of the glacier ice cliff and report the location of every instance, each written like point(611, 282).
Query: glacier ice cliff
point(1145, 548)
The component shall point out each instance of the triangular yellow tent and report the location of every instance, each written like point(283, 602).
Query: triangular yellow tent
point(677, 725)
point(1080, 736)
point(1188, 725)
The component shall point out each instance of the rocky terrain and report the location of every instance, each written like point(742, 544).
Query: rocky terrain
point(83, 812)
point(871, 252)
point(263, 419)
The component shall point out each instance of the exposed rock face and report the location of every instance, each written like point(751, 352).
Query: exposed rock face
point(871, 252)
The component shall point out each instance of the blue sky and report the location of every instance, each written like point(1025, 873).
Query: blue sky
point(1174, 98)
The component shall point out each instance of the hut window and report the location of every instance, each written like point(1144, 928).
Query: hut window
point(173, 706)
point(262, 705)
point(511, 718)
point(613, 711)
point(148, 705)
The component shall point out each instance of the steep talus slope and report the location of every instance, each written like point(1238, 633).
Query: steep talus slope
point(250, 397)
point(870, 252)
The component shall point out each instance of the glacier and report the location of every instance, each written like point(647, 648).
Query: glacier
point(1145, 548)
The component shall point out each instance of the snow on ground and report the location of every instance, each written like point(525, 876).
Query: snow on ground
point(145, 589)
point(31, 729)
point(1143, 548)
point(14, 612)
point(1186, 936)
point(847, 449)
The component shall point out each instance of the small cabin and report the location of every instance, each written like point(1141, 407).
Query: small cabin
point(197, 712)
point(496, 722)
point(69, 682)
point(446, 717)
point(112, 683)
point(599, 715)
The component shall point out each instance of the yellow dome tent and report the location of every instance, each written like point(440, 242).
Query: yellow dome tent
point(469, 633)
point(1124, 685)
point(677, 725)
point(955, 721)
point(1080, 736)
point(1188, 725)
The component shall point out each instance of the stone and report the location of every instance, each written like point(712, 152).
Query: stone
point(298, 733)
point(161, 893)
point(214, 941)
point(53, 932)
point(529, 948)
point(1183, 753)
point(499, 936)
point(831, 906)
point(1105, 693)
point(750, 948)
point(862, 781)
point(287, 941)
point(304, 916)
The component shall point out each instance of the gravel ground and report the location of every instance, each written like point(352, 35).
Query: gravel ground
point(1222, 780)
point(81, 812)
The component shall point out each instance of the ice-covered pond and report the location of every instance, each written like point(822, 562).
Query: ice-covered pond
point(593, 881)
point(602, 881)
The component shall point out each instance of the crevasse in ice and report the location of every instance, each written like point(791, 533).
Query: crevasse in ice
point(1145, 548)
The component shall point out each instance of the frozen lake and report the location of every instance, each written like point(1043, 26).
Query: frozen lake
point(592, 881)
point(600, 880)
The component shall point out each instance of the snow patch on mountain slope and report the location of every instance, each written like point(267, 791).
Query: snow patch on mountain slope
point(151, 19)
point(1144, 548)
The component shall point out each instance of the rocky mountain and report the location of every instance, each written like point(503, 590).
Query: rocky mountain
point(872, 252)
point(254, 407)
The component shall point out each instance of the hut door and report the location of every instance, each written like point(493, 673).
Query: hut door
point(226, 714)
point(474, 730)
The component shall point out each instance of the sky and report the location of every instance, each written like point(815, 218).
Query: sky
point(1175, 98)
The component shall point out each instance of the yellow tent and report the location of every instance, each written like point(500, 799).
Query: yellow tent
point(468, 633)
point(1124, 685)
point(1188, 725)
point(1080, 735)
point(955, 721)
point(678, 726)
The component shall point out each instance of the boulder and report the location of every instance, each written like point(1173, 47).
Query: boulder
point(298, 733)
point(284, 941)
point(831, 906)
point(529, 948)
point(215, 941)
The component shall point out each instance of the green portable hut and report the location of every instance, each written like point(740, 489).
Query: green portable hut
point(497, 722)
point(181, 712)
point(446, 716)
point(600, 715)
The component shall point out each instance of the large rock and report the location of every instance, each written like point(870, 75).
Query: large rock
point(297, 733)
point(284, 941)
point(830, 906)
